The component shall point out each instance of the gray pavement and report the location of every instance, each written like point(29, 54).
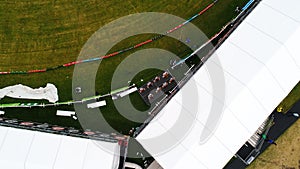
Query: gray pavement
point(282, 123)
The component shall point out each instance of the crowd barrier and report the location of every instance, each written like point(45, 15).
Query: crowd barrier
point(155, 38)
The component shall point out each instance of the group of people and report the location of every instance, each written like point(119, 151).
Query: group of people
point(267, 139)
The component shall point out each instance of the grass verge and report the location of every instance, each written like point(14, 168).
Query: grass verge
point(285, 155)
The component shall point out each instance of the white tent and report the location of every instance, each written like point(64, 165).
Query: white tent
point(24, 149)
point(127, 92)
point(261, 64)
point(65, 113)
point(96, 104)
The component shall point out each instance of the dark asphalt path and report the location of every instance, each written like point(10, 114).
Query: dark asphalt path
point(282, 123)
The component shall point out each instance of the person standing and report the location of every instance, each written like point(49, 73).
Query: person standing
point(271, 141)
point(265, 137)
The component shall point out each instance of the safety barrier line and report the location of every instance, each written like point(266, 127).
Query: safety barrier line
point(115, 53)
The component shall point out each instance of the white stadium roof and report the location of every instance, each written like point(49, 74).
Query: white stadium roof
point(261, 65)
point(24, 149)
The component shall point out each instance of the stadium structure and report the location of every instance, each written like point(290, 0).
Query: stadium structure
point(258, 57)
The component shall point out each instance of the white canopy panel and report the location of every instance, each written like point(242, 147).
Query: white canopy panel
point(260, 63)
point(96, 104)
point(127, 92)
point(24, 149)
point(65, 113)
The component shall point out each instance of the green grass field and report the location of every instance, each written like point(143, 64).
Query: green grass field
point(38, 34)
point(291, 99)
point(285, 155)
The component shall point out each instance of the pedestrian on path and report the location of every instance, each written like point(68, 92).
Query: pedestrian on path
point(262, 135)
point(271, 141)
point(266, 138)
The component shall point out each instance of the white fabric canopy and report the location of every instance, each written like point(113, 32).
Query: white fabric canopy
point(65, 113)
point(20, 91)
point(24, 149)
point(261, 64)
point(96, 104)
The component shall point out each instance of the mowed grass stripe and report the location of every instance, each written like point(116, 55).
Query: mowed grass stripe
point(35, 36)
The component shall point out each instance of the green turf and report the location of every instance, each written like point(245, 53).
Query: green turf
point(290, 100)
point(38, 34)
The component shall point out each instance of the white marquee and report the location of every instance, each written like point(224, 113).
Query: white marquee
point(24, 149)
point(261, 65)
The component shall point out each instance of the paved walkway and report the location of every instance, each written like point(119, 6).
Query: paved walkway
point(282, 123)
